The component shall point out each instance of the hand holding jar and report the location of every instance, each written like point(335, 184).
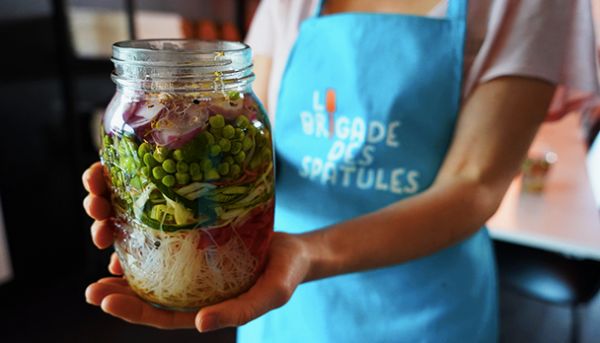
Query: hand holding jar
point(187, 168)
point(286, 267)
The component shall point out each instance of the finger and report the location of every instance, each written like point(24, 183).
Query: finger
point(96, 292)
point(93, 179)
point(97, 207)
point(115, 267)
point(116, 280)
point(135, 310)
point(260, 299)
point(103, 233)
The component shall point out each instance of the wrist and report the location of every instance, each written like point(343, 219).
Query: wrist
point(317, 254)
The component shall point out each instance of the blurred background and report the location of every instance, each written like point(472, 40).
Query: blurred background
point(54, 86)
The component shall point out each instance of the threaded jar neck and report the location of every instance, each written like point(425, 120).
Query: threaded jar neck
point(182, 65)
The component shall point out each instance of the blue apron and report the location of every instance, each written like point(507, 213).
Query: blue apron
point(366, 112)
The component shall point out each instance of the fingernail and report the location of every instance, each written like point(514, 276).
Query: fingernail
point(209, 323)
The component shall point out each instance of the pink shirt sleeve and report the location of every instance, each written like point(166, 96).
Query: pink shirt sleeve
point(260, 36)
point(549, 40)
point(273, 32)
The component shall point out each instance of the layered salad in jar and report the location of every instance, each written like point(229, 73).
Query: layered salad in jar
point(192, 187)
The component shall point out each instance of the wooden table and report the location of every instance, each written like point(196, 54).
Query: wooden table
point(564, 218)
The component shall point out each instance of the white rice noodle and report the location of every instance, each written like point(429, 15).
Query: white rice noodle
point(176, 274)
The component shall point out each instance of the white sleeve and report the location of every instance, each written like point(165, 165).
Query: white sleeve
point(261, 35)
point(552, 40)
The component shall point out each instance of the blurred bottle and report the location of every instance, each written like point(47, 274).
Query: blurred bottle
point(230, 32)
point(207, 30)
point(188, 28)
point(250, 8)
point(536, 167)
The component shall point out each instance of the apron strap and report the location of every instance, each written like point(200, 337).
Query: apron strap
point(457, 10)
point(319, 8)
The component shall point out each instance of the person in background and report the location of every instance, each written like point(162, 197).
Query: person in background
point(399, 126)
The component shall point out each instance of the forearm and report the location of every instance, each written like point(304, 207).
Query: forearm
point(419, 226)
point(493, 132)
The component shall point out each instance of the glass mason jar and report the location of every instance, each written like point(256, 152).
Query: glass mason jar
point(188, 156)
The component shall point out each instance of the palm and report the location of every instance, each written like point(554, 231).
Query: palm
point(116, 297)
point(284, 271)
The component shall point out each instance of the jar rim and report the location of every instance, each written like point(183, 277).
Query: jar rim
point(157, 49)
point(158, 63)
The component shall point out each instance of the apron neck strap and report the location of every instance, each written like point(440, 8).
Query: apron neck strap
point(457, 9)
point(319, 8)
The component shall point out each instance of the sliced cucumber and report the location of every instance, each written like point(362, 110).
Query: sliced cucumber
point(171, 194)
point(201, 205)
point(157, 225)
